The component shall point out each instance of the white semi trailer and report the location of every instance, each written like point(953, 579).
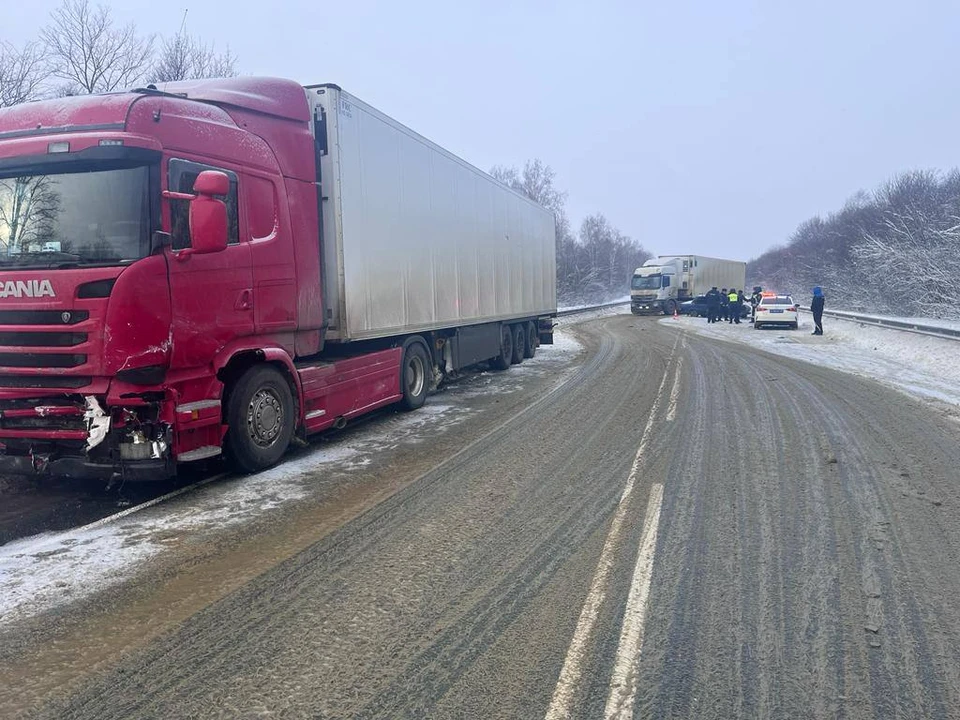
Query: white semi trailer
point(662, 283)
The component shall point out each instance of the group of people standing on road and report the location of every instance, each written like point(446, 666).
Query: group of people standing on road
point(728, 305)
point(724, 305)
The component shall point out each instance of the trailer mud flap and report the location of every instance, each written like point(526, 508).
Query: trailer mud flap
point(545, 330)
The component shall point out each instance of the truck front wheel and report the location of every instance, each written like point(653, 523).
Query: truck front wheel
point(670, 308)
point(414, 376)
point(260, 419)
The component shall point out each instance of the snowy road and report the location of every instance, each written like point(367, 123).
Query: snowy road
point(594, 535)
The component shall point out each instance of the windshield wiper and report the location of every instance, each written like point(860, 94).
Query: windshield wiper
point(29, 258)
point(85, 262)
point(56, 260)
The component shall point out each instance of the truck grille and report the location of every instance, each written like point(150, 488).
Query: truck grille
point(41, 339)
point(50, 349)
point(43, 317)
point(40, 360)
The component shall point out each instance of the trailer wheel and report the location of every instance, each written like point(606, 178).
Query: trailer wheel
point(530, 347)
point(414, 376)
point(504, 359)
point(260, 419)
point(519, 342)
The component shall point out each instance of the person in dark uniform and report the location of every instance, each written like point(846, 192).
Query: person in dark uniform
point(724, 304)
point(816, 307)
point(741, 298)
point(755, 302)
point(713, 304)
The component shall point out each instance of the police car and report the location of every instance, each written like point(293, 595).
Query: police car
point(777, 310)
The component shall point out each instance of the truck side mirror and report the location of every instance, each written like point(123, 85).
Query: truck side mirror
point(208, 214)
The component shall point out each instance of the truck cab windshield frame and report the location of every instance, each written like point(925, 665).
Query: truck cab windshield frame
point(647, 282)
point(93, 208)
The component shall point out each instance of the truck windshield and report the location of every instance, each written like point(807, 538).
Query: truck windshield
point(650, 282)
point(99, 217)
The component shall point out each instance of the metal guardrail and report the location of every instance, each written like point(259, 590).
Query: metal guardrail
point(894, 324)
point(575, 311)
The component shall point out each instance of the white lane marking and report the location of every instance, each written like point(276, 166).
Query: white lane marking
point(674, 392)
point(149, 503)
point(560, 705)
point(623, 682)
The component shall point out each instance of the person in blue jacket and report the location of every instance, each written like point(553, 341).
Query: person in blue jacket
point(816, 307)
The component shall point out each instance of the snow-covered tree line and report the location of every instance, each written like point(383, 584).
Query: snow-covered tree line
point(593, 265)
point(82, 49)
point(896, 250)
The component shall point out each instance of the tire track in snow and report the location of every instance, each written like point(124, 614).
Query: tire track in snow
point(564, 695)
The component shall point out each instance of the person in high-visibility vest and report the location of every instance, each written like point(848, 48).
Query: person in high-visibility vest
point(733, 304)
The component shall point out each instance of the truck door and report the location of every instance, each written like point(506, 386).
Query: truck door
point(211, 295)
point(271, 256)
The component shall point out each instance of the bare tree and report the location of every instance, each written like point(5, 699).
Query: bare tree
point(897, 250)
point(536, 182)
point(22, 73)
point(90, 53)
point(29, 207)
point(185, 57)
point(597, 265)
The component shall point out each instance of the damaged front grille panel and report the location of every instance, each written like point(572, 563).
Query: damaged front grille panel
point(80, 427)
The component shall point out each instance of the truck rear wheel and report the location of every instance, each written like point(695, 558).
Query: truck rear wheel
point(504, 359)
point(414, 376)
point(519, 342)
point(260, 419)
point(530, 346)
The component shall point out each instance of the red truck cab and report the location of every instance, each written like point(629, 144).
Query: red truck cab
point(126, 335)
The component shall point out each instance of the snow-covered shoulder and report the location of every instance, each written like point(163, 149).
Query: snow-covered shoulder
point(922, 366)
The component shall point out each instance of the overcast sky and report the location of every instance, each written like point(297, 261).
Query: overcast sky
point(711, 127)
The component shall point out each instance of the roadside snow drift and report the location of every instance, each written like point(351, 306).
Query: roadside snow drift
point(923, 366)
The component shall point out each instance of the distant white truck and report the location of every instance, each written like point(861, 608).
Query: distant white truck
point(662, 283)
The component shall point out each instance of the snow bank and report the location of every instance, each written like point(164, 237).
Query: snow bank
point(920, 365)
point(923, 321)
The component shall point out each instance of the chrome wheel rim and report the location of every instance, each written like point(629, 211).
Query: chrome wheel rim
point(415, 376)
point(265, 417)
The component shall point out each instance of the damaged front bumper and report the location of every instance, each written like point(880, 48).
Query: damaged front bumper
point(74, 437)
point(77, 468)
